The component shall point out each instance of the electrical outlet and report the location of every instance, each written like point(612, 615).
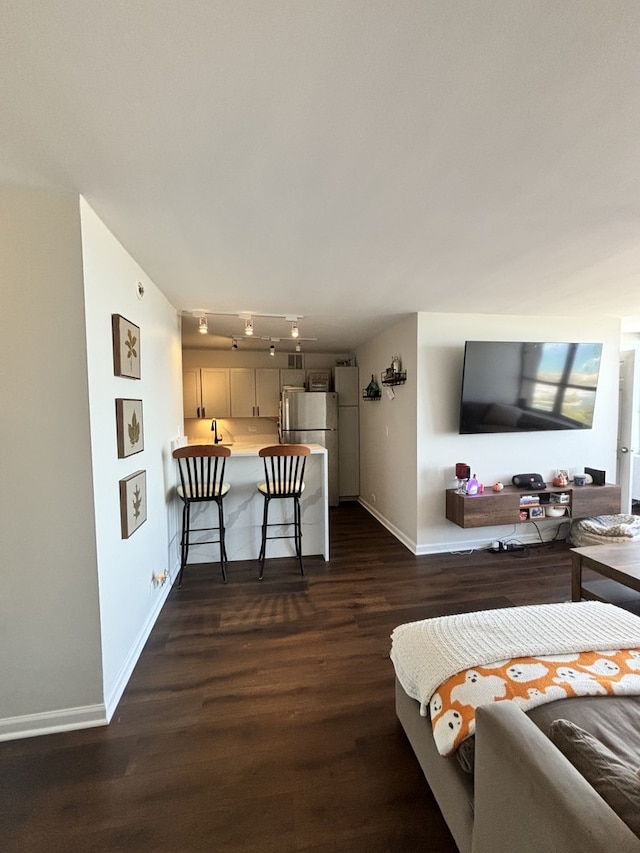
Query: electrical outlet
point(499, 547)
point(253, 429)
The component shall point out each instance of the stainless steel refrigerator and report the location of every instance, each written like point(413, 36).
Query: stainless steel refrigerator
point(311, 417)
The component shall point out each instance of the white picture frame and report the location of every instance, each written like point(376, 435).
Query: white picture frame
point(129, 427)
point(126, 347)
point(133, 502)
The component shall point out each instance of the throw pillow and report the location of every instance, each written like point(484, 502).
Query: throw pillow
point(615, 781)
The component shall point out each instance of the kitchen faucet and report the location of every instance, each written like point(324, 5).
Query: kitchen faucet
point(214, 429)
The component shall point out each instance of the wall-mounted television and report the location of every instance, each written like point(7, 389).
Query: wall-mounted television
point(510, 386)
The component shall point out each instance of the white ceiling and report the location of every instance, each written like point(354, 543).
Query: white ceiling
point(346, 160)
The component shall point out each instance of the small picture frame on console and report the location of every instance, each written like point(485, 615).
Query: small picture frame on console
point(536, 512)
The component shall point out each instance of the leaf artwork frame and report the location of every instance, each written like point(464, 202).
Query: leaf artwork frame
point(129, 427)
point(133, 502)
point(126, 347)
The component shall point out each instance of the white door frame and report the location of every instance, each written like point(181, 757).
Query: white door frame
point(628, 445)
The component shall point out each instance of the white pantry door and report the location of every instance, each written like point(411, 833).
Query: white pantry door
point(628, 425)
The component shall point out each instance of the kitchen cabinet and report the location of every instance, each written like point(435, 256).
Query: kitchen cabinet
point(347, 382)
point(206, 392)
point(347, 388)
point(348, 452)
point(254, 392)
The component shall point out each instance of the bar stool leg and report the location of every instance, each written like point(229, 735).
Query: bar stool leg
point(184, 542)
point(297, 529)
point(223, 550)
point(263, 544)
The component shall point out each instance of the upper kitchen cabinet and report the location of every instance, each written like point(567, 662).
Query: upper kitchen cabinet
point(347, 386)
point(254, 392)
point(206, 392)
point(268, 392)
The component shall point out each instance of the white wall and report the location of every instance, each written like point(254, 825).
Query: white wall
point(409, 446)
point(494, 457)
point(388, 432)
point(50, 648)
point(129, 602)
point(77, 602)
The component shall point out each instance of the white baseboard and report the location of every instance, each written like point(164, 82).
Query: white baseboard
point(122, 679)
point(90, 716)
point(461, 547)
point(51, 722)
point(400, 536)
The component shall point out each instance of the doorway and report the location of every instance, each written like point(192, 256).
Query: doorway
point(628, 445)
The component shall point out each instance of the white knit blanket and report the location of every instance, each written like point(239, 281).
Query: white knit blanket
point(426, 653)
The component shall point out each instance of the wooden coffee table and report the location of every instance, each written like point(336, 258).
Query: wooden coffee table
point(619, 569)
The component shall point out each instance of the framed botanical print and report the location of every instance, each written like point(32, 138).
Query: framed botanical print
point(129, 427)
point(126, 347)
point(133, 502)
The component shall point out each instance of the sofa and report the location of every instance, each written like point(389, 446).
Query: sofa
point(525, 783)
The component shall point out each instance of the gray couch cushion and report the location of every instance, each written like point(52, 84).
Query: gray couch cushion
point(615, 781)
point(614, 720)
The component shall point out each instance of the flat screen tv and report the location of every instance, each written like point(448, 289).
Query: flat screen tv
point(509, 386)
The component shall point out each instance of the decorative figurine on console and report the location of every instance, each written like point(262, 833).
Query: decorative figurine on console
point(473, 486)
point(463, 472)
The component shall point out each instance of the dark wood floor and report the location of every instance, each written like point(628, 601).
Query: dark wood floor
point(260, 716)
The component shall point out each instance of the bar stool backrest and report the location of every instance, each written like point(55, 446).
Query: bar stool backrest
point(201, 468)
point(284, 466)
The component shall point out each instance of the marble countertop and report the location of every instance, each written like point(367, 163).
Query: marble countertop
point(251, 448)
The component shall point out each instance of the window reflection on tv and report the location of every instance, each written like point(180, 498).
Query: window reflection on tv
point(510, 386)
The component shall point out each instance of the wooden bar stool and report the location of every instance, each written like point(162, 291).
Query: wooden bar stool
point(201, 468)
point(284, 466)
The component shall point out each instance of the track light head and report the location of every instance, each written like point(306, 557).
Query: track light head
point(248, 326)
point(234, 344)
point(298, 347)
point(294, 330)
point(203, 326)
point(272, 350)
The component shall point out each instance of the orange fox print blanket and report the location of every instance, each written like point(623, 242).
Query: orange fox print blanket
point(528, 681)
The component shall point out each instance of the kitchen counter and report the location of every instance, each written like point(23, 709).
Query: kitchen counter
point(243, 508)
point(251, 449)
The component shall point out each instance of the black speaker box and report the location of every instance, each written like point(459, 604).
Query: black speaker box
point(529, 481)
point(597, 476)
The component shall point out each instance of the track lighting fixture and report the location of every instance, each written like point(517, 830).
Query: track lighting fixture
point(272, 350)
point(298, 347)
point(202, 314)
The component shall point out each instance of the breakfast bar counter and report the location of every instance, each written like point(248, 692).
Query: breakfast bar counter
point(243, 508)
